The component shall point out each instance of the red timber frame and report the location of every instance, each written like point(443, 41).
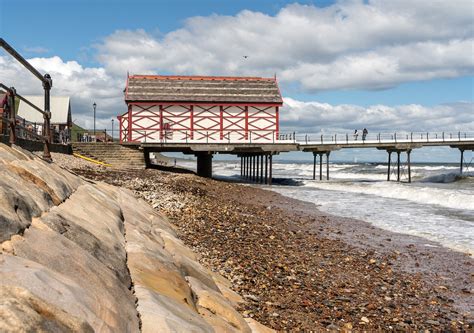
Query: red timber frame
point(183, 122)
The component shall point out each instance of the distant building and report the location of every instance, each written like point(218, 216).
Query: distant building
point(200, 109)
point(60, 111)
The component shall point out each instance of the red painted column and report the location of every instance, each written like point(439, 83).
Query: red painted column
point(129, 123)
point(119, 118)
point(246, 123)
point(161, 122)
point(277, 121)
point(221, 121)
point(191, 126)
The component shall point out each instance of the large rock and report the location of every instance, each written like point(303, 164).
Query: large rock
point(20, 201)
point(20, 308)
point(160, 313)
point(100, 237)
point(211, 302)
point(56, 290)
point(112, 302)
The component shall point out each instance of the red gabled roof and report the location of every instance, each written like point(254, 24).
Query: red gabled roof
point(202, 89)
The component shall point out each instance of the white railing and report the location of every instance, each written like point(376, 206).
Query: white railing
point(211, 137)
point(375, 138)
point(267, 136)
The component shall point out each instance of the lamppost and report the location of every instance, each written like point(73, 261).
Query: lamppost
point(112, 129)
point(94, 106)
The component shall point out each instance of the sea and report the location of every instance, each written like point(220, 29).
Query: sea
point(437, 205)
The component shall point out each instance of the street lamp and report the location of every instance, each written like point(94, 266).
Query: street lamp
point(112, 129)
point(94, 106)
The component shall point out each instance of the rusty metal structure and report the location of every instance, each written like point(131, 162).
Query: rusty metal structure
point(9, 113)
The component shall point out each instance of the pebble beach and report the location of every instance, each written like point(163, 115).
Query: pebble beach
point(299, 269)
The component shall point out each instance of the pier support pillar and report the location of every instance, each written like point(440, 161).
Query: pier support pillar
point(314, 166)
point(204, 164)
point(320, 166)
point(247, 168)
point(398, 165)
point(462, 161)
point(327, 165)
point(409, 165)
point(262, 180)
point(389, 165)
point(241, 166)
point(257, 170)
point(266, 169)
point(253, 168)
point(270, 172)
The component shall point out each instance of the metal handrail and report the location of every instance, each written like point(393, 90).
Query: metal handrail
point(271, 136)
point(47, 83)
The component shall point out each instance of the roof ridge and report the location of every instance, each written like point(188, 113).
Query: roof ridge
point(202, 77)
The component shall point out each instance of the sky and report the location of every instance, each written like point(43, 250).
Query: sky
point(387, 65)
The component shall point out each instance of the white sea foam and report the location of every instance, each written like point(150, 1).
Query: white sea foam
point(423, 195)
point(439, 206)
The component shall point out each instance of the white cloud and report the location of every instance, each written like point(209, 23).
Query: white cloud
point(350, 44)
point(83, 84)
point(314, 117)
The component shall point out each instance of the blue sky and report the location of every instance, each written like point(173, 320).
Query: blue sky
point(340, 64)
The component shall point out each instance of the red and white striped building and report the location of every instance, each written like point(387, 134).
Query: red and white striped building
point(200, 109)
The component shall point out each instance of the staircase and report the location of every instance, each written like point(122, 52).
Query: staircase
point(119, 156)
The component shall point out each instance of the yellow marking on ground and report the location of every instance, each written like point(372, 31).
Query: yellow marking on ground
point(91, 160)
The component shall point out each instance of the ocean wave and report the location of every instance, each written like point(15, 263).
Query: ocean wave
point(447, 177)
point(423, 195)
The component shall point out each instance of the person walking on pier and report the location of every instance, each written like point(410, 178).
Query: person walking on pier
point(355, 135)
point(364, 134)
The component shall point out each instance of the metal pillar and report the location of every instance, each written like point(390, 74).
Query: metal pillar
point(271, 169)
point(47, 84)
point(320, 166)
point(409, 165)
point(398, 165)
point(249, 167)
point(266, 169)
point(389, 164)
point(241, 166)
point(253, 168)
point(204, 164)
point(262, 180)
point(257, 171)
point(11, 114)
point(314, 165)
point(462, 160)
point(327, 165)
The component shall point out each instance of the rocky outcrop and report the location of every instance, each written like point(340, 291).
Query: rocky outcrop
point(90, 257)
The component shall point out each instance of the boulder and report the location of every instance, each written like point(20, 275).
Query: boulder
point(160, 313)
point(112, 302)
point(208, 300)
point(52, 288)
point(159, 275)
point(21, 308)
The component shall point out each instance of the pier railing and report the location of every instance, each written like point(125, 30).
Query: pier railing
point(384, 137)
point(292, 137)
point(211, 136)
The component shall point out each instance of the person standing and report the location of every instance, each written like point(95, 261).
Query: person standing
point(364, 134)
point(355, 135)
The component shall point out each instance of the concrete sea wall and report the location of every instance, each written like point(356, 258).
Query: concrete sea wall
point(76, 255)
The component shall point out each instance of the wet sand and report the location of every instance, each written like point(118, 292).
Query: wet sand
point(300, 269)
